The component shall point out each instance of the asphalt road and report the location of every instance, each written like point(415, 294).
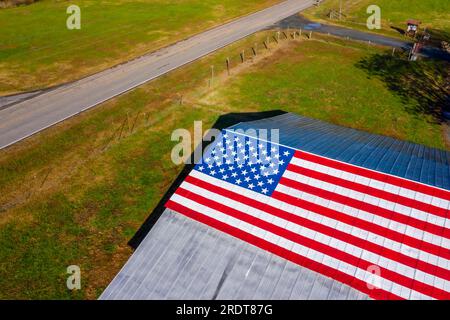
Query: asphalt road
point(21, 120)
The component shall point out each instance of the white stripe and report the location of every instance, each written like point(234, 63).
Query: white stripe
point(310, 253)
point(392, 206)
point(425, 198)
point(231, 130)
point(369, 217)
point(343, 246)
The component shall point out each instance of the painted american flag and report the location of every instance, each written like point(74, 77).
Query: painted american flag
point(383, 235)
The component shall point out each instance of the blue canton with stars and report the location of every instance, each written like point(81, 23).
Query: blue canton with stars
point(245, 161)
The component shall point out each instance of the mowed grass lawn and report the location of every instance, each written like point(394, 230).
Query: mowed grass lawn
point(77, 193)
point(434, 14)
point(37, 50)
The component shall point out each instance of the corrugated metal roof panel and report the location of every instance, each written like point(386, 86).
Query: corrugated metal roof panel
point(183, 259)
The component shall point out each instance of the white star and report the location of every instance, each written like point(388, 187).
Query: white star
point(234, 153)
point(264, 190)
point(255, 154)
point(268, 158)
point(216, 158)
point(222, 170)
point(234, 174)
point(240, 165)
point(275, 171)
point(228, 161)
point(259, 161)
point(246, 157)
point(260, 145)
point(212, 172)
point(225, 135)
point(231, 168)
point(253, 169)
point(210, 166)
point(260, 184)
point(251, 148)
point(225, 176)
point(257, 176)
point(281, 162)
point(273, 149)
point(264, 152)
point(270, 181)
point(247, 179)
point(286, 153)
point(238, 181)
point(200, 168)
point(222, 149)
point(251, 185)
point(220, 144)
point(228, 142)
point(277, 156)
point(239, 145)
point(244, 172)
point(236, 139)
point(218, 164)
point(272, 165)
point(265, 174)
point(207, 160)
point(248, 142)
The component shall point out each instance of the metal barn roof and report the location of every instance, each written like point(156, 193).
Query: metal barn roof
point(181, 258)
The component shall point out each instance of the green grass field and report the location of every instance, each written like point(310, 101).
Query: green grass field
point(434, 14)
point(37, 50)
point(77, 192)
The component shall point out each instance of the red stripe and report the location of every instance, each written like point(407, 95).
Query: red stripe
point(388, 214)
point(375, 248)
point(284, 253)
point(318, 246)
point(399, 182)
point(370, 190)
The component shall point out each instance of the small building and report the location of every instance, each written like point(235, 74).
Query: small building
point(412, 27)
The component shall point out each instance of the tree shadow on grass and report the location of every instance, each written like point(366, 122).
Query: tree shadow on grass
point(422, 85)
